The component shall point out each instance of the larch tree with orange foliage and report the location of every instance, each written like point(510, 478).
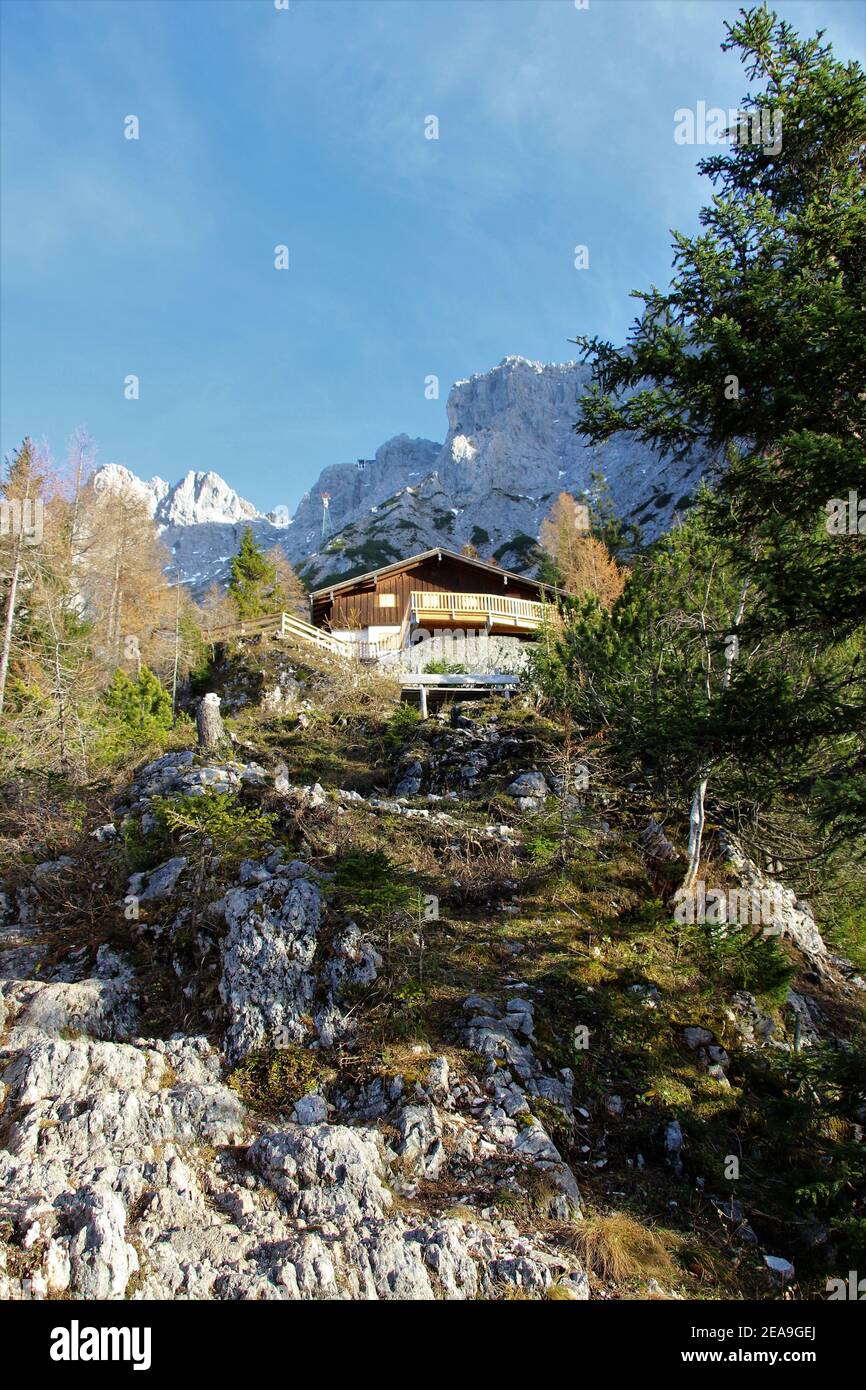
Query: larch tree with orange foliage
point(579, 561)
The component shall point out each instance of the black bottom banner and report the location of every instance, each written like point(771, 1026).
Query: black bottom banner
point(81, 1339)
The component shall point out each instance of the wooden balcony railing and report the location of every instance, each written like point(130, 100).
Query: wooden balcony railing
point(487, 608)
point(371, 651)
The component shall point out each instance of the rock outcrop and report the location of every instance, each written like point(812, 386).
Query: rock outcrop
point(130, 1166)
point(129, 1169)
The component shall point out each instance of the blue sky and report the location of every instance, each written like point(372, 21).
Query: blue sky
point(408, 256)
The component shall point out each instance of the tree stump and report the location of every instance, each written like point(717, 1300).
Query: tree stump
point(209, 723)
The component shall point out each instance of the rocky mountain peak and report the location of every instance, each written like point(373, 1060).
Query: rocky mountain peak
point(203, 497)
point(113, 477)
point(510, 448)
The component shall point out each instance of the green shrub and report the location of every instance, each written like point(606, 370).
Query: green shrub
point(142, 852)
point(217, 821)
point(811, 1119)
point(271, 1079)
point(402, 726)
point(847, 934)
point(542, 849)
point(741, 960)
point(444, 668)
point(365, 881)
point(140, 705)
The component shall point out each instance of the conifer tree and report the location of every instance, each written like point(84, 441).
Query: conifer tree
point(141, 703)
point(755, 354)
point(253, 585)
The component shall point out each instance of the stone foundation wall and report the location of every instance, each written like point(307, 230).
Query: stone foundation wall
point(481, 654)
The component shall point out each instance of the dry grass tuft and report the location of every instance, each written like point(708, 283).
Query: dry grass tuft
point(617, 1247)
